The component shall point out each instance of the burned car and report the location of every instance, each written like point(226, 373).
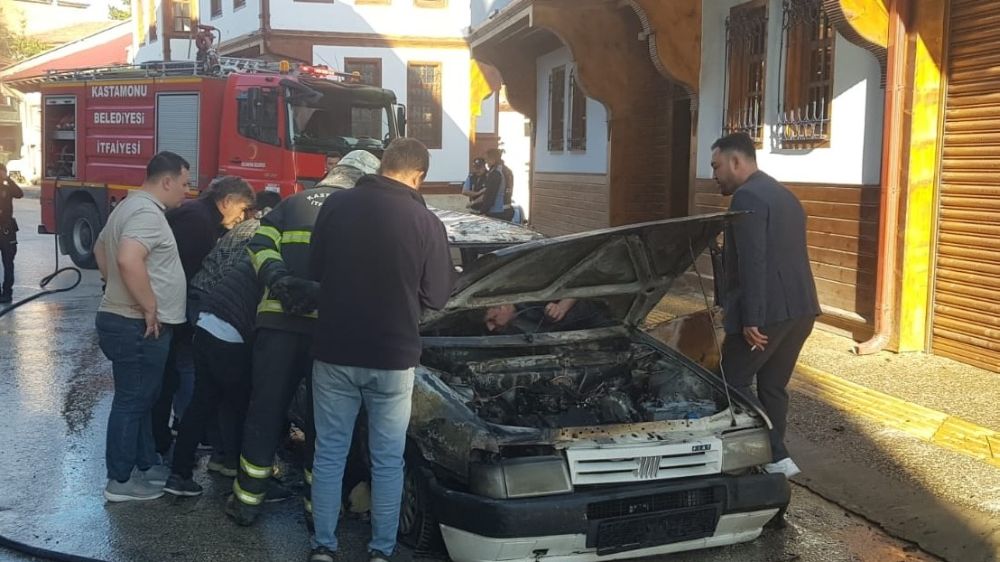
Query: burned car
point(596, 442)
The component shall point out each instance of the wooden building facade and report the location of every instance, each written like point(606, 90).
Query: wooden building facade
point(883, 116)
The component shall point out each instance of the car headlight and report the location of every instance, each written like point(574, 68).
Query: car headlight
point(745, 448)
point(523, 477)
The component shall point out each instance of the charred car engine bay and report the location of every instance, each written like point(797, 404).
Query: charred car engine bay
point(569, 386)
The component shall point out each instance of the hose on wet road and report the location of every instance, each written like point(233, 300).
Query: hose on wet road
point(43, 284)
point(45, 554)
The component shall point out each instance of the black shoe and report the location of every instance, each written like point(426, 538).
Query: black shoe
point(179, 486)
point(276, 492)
point(322, 554)
point(244, 515)
point(6, 298)
point(376, 556)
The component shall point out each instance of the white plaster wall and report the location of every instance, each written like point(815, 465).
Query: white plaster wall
point(182, 49)
point(450, 163)
point(39, 18)
point(154, 51)
point(30, 109)
point(402, 17)
point(233, 23)
point(854, 154)
point(486, 122)
point(517, 155)
point(592, 161)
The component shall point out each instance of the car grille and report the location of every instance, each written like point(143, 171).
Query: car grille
point(633, 533)
point(651, 504)
point(610, 465)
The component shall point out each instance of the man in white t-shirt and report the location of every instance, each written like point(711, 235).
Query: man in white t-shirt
point(145, 295)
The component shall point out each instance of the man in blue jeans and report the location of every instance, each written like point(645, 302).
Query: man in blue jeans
point(145, 295)
point(367, 336)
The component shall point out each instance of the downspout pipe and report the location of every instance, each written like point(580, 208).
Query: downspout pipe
point(265, 27)
point(892, 178)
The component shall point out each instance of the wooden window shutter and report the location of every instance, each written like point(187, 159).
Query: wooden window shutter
point(557, 109)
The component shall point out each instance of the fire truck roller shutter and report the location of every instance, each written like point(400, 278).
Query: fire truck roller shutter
point(177, 127)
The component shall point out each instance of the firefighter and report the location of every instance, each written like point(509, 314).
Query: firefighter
point(280, 254)
point(8, 232)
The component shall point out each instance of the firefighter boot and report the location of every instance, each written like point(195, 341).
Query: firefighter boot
point(243, 514)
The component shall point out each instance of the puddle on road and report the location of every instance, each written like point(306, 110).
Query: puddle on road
point(90, 383)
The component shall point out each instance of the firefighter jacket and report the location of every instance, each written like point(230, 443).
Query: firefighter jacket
point(280, 247)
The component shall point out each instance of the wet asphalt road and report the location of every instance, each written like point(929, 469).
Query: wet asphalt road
point(55, 392)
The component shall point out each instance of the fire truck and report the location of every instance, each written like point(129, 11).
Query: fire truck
point(271, 123)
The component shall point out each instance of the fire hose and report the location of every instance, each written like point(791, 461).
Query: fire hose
point(43, 284)
point(6, 542)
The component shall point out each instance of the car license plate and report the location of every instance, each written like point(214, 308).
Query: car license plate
point(633, 533)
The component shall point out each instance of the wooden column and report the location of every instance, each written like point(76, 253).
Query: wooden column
point(614, 66)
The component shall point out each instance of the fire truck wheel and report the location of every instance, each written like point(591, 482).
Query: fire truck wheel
point(80, 227)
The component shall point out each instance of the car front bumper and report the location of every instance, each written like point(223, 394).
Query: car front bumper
point(613, 523)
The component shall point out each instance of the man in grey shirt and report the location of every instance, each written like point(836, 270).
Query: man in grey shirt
point(145, 295)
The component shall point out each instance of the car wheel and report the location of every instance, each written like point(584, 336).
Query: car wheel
point(778, 521)
point(418, 529)
point(80, 226)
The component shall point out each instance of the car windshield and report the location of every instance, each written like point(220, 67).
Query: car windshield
point(339, 119)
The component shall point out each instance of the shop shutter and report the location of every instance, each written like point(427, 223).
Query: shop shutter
point(177, 128)
point(966, 323)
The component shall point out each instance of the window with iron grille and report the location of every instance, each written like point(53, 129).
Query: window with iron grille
point(423, 101)
point(182, 16)
point(557, 109)
point(366, 122)
point(746, 56)
point(239, 3)
point(578, 115)
point(215, 7)
point(808, 42)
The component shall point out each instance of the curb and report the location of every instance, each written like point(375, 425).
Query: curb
point(928, 425)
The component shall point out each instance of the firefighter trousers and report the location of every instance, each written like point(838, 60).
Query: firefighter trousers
point(281, 360)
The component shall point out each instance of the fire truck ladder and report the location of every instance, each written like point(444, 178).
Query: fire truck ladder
point(226, 65)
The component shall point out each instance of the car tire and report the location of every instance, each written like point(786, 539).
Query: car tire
point(778, 522)
point(418, 529)
point(78, 233)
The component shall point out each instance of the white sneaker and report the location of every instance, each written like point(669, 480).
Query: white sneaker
point(785, 466)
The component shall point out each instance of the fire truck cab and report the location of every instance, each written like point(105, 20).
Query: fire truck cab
point(269, 123)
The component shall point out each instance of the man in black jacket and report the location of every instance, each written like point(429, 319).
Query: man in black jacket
point(381, 258)
point(490, 203)
point(770, 298)
point(223, 339)
point(8, 232)
point(197, 225)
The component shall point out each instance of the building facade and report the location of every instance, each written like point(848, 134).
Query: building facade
point(881, 115)
point(416, 48)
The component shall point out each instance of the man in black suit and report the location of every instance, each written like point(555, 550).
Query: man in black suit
point(770, 298)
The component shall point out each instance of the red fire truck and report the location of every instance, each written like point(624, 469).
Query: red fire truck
point(270, 123)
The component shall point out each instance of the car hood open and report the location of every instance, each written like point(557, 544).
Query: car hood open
point(639, 261)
